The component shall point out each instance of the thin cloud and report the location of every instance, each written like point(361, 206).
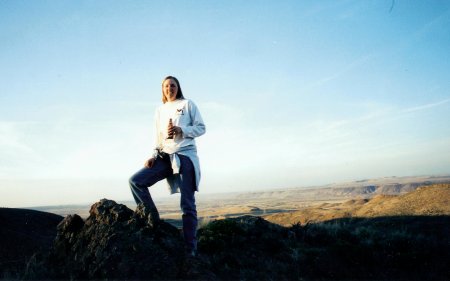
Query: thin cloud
point(339, 73)
point(425, 106)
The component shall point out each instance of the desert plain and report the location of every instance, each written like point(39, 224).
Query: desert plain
point(361, 198)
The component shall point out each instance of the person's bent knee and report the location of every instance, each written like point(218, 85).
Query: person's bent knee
point(132, 181)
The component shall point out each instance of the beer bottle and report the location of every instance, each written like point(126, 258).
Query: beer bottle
point(170, 135)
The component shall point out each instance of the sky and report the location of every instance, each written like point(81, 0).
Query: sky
point(293, 93)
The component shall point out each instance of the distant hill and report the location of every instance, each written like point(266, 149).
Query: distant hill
point(426, 200)
point(361, 188)
point(22, 233)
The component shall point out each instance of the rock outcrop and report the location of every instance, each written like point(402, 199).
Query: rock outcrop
point(114, 243)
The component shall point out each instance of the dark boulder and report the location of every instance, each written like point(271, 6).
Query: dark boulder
point(113, 243)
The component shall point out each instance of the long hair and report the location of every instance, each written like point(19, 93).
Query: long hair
point(179, 93)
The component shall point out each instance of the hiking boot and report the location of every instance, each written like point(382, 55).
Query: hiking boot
point(190, 253)
point(153, 217)
point(149, 214)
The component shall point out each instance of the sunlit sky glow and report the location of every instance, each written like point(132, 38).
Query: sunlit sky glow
point(293, 93)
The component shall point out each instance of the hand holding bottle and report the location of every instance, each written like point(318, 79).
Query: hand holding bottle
point(170, 133)
point(172, 130)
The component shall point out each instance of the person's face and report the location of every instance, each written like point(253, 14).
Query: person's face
point(170, 89)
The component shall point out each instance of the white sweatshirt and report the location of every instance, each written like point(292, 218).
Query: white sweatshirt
point(184, 114)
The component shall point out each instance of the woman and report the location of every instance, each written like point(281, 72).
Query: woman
point(178, 122)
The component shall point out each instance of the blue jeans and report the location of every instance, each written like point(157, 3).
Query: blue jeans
point(161, 169)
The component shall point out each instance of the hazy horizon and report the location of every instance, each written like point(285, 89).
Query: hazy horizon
point(293, 93)
point(112, 190)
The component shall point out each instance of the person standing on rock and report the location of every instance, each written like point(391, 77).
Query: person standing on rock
point(177, 123)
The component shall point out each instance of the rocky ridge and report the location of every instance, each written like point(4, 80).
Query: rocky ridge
point(116, 243)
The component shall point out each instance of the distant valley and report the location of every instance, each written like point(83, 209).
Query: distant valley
point(301, 204)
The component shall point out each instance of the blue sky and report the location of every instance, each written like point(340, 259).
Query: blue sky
point(293, 93)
